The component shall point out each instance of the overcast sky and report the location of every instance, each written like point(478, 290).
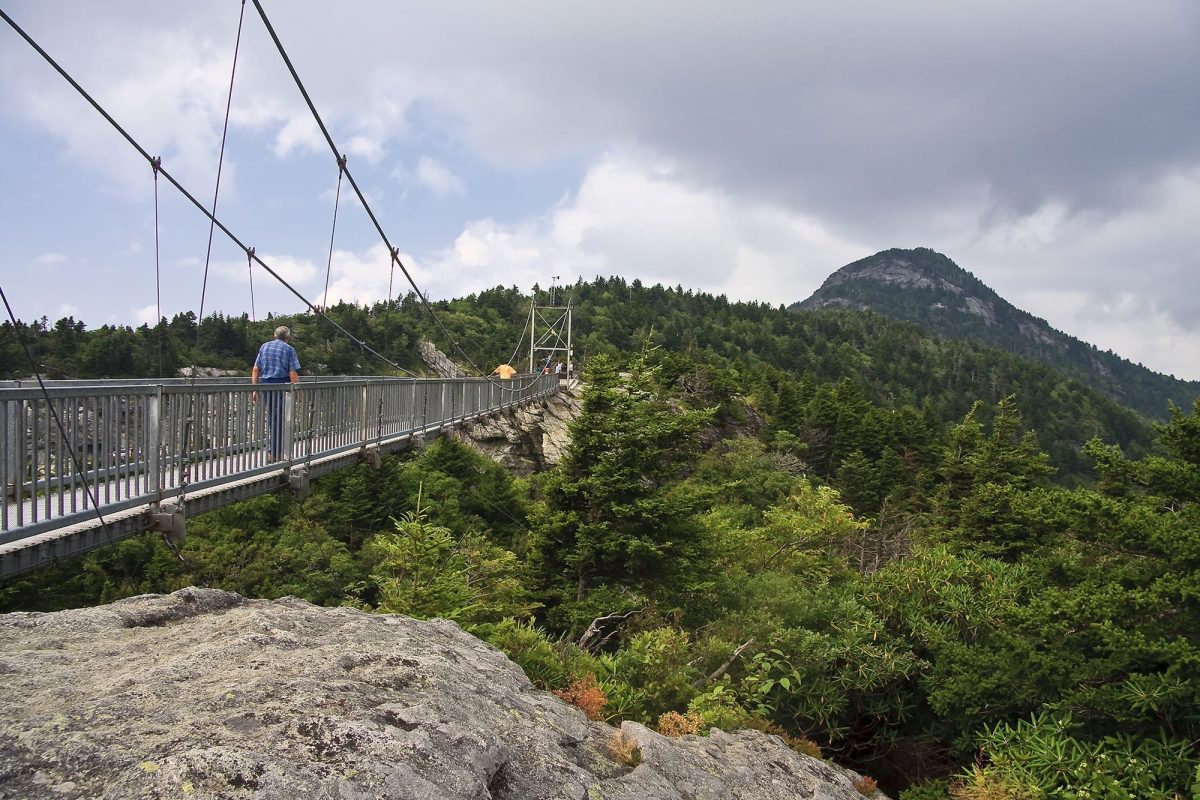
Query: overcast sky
point(750, 149)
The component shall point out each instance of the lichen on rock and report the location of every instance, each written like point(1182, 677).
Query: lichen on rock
point(206, 694)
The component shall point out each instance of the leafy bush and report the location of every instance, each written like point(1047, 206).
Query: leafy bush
point(529, 648)
point(865, 785)
point(931, 790)
point(423, 570)
point(673, 723)
point(719, 708)
point(586, 695)
point(1045, 752)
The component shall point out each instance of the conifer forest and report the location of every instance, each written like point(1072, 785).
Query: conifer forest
point(960, 572)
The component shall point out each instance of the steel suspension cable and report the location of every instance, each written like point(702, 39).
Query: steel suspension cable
point(520, 340)
point(189, 425)
point(250, 268)
point(189, 196)
point(337, 195)
point(220, 163)
point(62, 431)
point(156, 164)
point(361, 197)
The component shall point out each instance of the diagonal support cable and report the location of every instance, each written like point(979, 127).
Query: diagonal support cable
point(190, 197)
point(361, 197)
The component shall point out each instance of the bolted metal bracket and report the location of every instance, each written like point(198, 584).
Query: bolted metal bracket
point(372, 457)
point(170, 520)
point(298, 480)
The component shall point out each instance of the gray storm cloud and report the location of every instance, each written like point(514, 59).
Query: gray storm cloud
point(962, 126)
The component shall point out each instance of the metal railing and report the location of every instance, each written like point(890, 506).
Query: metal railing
point(137, 443)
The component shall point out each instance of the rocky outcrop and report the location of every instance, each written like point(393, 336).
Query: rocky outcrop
point(212, 372)
point(530, 438)
point(205, 694)
point(438, 361)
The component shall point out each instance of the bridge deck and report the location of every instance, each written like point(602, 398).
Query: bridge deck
point(133, 441)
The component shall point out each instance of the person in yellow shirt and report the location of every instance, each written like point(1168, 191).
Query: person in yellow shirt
point(504, 371)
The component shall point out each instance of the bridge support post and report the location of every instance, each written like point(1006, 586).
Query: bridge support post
point(289, 416)
point(170, 520)
point(372, 457)
point(298, 481)
point(153, 444)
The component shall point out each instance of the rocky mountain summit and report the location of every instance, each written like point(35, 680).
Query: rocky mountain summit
point(926, 287)
point(206, 694)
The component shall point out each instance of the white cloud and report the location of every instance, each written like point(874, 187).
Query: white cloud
point(146, 315)
point(299, 272)
point(368, 148)
point(50, 259)
point(437, 178)
point(299, 133)
point(1126, 281)
point(634, 218)
point(1062, 180)
point(363, 278)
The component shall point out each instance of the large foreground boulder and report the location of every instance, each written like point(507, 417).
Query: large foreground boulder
point(205, 694)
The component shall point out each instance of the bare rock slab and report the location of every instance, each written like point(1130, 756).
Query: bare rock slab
point(206, 694)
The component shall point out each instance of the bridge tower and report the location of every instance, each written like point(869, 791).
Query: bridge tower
point(550, 334)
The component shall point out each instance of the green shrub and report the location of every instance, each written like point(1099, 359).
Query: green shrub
point(932, 790)
point(531, 649)
point(719, 708)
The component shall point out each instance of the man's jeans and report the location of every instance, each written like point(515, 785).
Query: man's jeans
point(273, 401)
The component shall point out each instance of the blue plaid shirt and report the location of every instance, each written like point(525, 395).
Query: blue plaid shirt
point(276, 359)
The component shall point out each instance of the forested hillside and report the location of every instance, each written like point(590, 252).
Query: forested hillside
point(927, 288)
point(821, 371)
point(964, 626)
point(949, 568)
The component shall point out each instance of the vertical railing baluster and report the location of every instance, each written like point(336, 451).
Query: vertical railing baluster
point(289, 402)
point(112, 481)
point(60, 469)
point(153, 444)
point(128, 455)
point(6, 464)
point(20, 481)
point(366, 423)
point(41, 447)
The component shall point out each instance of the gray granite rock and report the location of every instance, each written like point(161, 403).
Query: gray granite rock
point(528, 439)
point(205, 694)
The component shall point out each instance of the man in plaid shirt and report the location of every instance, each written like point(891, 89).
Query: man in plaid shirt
point(277, 362)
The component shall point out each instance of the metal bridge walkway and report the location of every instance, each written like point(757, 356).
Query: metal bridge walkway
point(135, 442)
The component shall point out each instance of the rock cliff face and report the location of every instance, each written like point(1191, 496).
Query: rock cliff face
point(205, 694)
point(528, 439)
point(438, 361)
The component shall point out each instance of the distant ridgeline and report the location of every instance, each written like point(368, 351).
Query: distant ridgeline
point(928, 288)
point(816, 374)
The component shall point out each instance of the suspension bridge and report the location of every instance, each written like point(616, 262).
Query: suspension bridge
point(84, 464)
point(88, 463)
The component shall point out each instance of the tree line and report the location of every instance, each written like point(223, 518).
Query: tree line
point(825, 525)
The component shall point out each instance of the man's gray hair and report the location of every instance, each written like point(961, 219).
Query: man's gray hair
point(283, 332)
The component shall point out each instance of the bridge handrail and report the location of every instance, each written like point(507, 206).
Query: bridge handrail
point(134, 438)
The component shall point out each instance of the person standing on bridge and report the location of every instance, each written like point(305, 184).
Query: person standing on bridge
point(277, 362)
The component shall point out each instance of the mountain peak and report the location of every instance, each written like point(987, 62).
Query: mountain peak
point(917, 269)
point(926, 287)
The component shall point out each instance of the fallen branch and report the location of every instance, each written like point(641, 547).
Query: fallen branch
point(593, 630)
point(700, 683)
